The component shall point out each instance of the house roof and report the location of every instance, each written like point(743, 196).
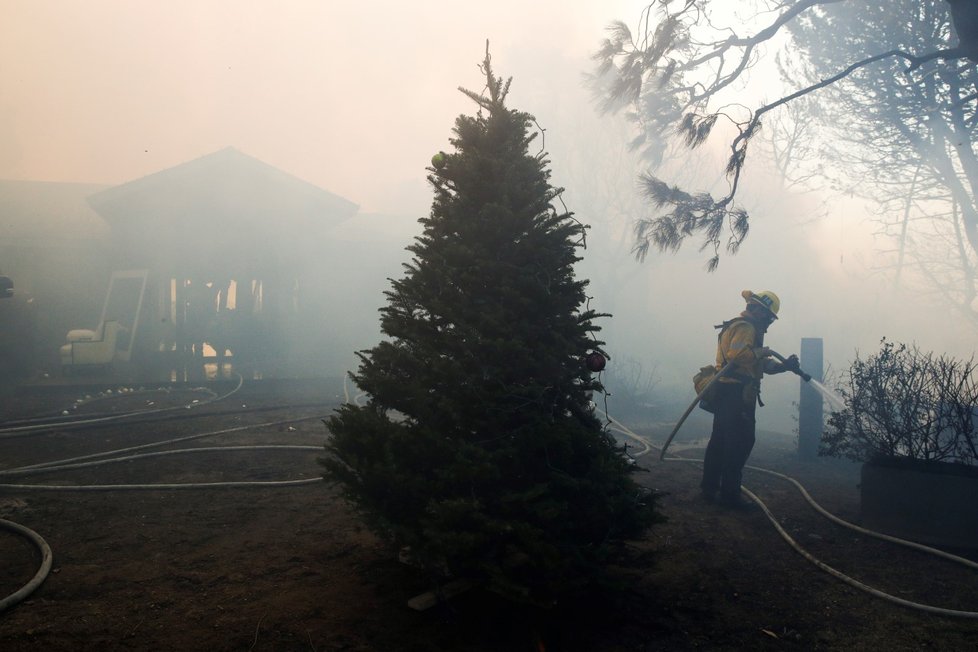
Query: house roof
point(225, 204)
point(226, 187)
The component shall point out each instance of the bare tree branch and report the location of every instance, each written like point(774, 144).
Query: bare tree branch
point(659, 77)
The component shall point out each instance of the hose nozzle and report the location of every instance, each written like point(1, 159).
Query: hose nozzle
point(791, 364)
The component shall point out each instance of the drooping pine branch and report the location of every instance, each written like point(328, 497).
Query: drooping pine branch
point(689, 214)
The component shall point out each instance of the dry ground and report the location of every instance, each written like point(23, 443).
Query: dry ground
point(291, 568)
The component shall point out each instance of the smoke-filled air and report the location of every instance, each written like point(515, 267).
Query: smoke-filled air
point(355, 101)
point(525, 251)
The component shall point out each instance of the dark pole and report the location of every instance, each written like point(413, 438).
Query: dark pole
point(810, 403)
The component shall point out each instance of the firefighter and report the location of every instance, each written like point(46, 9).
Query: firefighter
point(741, 344)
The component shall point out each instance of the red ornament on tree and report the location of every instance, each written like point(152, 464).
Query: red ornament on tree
point(595, 361)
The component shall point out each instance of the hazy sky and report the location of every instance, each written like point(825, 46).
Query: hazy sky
point(351, 96)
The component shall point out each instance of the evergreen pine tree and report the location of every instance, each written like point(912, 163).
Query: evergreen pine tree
point(478, 447)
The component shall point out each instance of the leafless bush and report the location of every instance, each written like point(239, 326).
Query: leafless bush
point(905, 403)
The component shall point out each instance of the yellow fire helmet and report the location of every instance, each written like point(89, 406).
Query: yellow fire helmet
point(766, 298)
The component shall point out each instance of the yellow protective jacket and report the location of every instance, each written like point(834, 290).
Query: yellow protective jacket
point(736, 344)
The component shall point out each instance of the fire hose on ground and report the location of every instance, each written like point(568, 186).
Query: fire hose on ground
point(84, 461)
point(46, 559)
point(91, 460)
point(619, 427)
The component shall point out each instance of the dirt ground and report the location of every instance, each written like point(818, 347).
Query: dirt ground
point(291, 568)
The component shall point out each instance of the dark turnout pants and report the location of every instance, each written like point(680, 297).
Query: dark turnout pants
point(731, 442)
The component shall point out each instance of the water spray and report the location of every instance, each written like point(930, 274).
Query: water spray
point(791, 366)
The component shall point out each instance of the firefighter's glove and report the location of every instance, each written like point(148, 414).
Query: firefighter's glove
point(791, 363)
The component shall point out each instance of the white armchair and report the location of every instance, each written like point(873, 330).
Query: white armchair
point(83, 335)
point(97, 349)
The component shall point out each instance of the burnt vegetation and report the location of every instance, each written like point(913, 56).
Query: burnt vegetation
point(905, 403)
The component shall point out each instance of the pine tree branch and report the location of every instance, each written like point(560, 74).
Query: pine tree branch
point(748, 43)
point(679, 104)
point(739, 144)
point(710, 218)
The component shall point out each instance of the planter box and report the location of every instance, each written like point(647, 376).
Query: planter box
point(929, 502)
